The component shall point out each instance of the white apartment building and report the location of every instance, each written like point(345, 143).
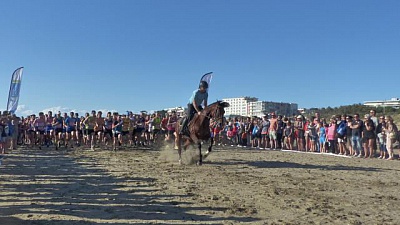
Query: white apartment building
point(261, 108)
point(393, 102)
point(238, 106)
point(250, 106)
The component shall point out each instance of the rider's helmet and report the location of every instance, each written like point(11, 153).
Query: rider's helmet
point(203, 84)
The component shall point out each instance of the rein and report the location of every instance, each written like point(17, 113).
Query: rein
point(209, 117)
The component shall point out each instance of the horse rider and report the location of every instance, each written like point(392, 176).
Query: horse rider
point(198, 97)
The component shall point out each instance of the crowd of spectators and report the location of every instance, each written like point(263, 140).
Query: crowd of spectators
point(349, 135)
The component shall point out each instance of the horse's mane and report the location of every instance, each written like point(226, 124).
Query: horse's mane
point(218, 103)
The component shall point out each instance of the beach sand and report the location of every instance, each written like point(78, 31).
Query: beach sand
point(142, 186)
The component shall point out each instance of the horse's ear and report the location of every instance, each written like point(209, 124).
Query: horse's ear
point(224, 104)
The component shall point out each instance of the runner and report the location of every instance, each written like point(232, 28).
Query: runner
point(70, 127)
point(49, 129)
point(58, 128)
point(117, 130)
point(40, 126)
point(108, 125)
point(171, 125)
point(140, 128)
point(148, 129)
point(31, 134)
point(99, 128)
point(126, 126)
point(78, 132)
point(90, 123)
point(156, 128)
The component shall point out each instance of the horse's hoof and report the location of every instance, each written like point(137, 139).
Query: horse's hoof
point(199, 163)
point(180, 162)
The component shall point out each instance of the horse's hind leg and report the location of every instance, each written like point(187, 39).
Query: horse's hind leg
point(200, 155)
point(178, 146)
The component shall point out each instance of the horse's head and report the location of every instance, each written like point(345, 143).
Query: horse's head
point(217, 110)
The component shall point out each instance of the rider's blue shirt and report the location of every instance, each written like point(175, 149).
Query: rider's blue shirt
point(198, 97)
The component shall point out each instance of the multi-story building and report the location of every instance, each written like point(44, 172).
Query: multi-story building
point(250, 106)
point(238, 106)
point(393, 102)
point(261, 108)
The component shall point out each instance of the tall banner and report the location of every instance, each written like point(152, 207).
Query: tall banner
point(15, 87)
point(207, 78)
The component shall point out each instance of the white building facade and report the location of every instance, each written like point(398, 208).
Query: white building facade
point(250, 106)
point(261, 108)
point(393, 102)
point(238, 106)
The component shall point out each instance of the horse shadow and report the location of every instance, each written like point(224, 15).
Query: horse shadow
point(293, 165)
point(50, 188)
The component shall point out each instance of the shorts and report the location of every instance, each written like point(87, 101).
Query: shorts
point(264, 136)
point(139, 130)
point(272, 135)
point(98, 131)
point(70, 129)
point(171, 132)
point(300, 133)
point(15, 134)
point(89, 131)
point(109, 132)
point(124, 133)
point(49, 129)
point(116, 134)
point(58, 130)
point(312, 137)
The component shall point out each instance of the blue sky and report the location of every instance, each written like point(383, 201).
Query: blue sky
point(144, 55)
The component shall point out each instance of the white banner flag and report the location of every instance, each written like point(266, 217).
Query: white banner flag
point(15, 87)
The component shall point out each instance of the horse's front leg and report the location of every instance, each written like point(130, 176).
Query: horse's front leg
point(209, 148)
point(178, 146)
point(200, 155)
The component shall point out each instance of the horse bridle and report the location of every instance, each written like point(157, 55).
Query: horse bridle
point(215, 113)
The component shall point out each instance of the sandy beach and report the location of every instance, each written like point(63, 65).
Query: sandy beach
point(234, 186)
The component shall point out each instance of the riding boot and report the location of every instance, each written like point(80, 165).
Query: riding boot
point(183, 127)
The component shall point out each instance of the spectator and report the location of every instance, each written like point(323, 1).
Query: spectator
point(264, 132)
point(369, 136)
point(289, 135)
point(356, 127)
point(341, 133)
point(331, 135)
point(273, 127)
point(349, 120)
point(279, 132)
point(381, 137)
point(299, 132)
point(391, 135)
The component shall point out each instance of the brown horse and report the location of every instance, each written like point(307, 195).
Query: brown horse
point(199, 129)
